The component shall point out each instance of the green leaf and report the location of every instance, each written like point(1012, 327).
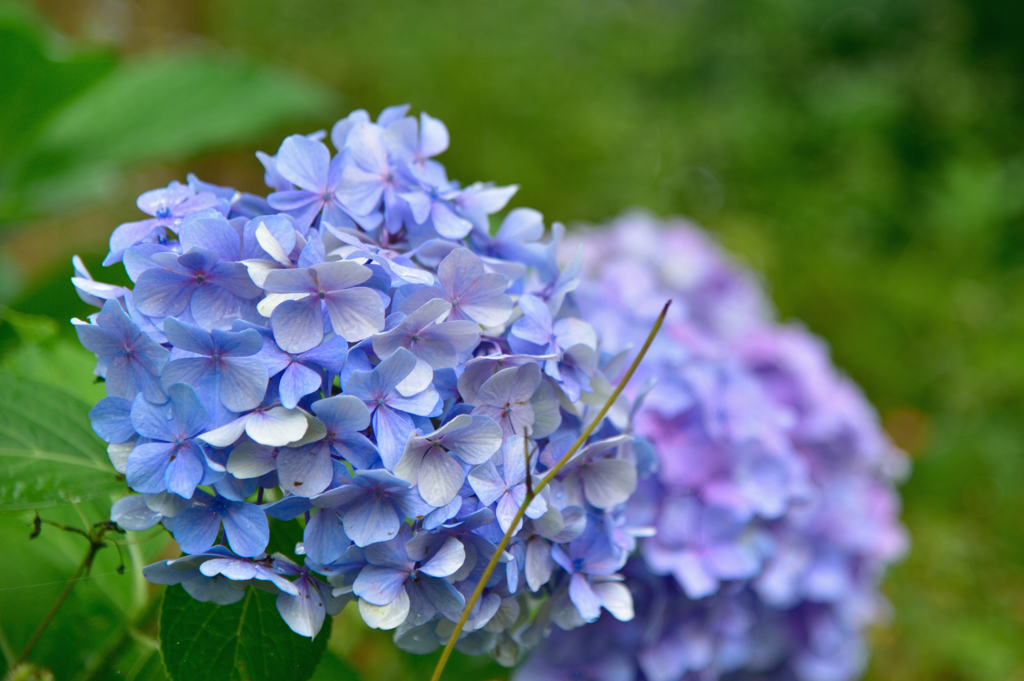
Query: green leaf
point(48, 451)
point(107, 611)
point(37, 77)
point(246, 641)
point(163, 108)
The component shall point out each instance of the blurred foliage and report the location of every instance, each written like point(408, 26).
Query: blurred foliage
point(70, 145)
point(868, 159)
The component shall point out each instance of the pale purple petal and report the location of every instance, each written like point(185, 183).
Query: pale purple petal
point(393, 429)
point(385, 616)
point(487, 483)
point(442, 595)
point(371, 520)
point(131, 513)
point(162, 293)
point(616, 599)
point(291, 281)
point(298, 324)
point(243, 382)
point(304, 613)
point(446, 560)
point(275, 427)
point(304, 163)
point(440, 477)
point(251, 460)
point(355, 313)
point(297, 382)
point(305, 471)
point(476, 441)
point(379, 585)
point(609, 482)
point(584, 598)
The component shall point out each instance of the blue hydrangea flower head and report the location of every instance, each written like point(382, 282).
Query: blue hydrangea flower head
point(355, 353)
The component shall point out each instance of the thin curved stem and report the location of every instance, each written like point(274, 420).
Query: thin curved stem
point(531, 494)
point(38, 633)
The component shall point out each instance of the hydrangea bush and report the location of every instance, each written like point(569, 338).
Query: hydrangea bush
point(361, 352)
point(772, 484)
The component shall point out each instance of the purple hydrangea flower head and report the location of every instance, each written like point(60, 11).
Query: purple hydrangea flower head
point(773, 506)
point(168, 207)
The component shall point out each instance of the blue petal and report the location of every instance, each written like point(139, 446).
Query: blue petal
point(379, 585)
point(195, 529)
point(162, 293)
point(371, 520)
point(297, 381)
point(111, 419)
point(329, 355)
point(324, 537)
point(243, 383)
point(188, 411)
point(146, 466)
point(393, 429)
point(342, 413)
point(298, 324)
point(304, 163)
point(304, 613)
point(184, 471)
point(131, 513)
point(246, 528)
point(237, 344)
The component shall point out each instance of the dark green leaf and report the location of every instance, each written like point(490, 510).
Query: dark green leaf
point(48, 450)
point(284, 535)
point(247, 641)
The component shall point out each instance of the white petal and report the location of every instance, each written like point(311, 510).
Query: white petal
point(227, 434)
point(276, 427)
point(267, 305)
point(385, 616)
point(616, 599)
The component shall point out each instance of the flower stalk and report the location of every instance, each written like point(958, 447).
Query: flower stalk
point(532, 493)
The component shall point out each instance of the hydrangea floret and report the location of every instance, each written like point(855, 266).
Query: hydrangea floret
point(764, 471)
point(358, 353)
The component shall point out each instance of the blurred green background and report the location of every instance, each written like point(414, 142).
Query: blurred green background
point(868, 159)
